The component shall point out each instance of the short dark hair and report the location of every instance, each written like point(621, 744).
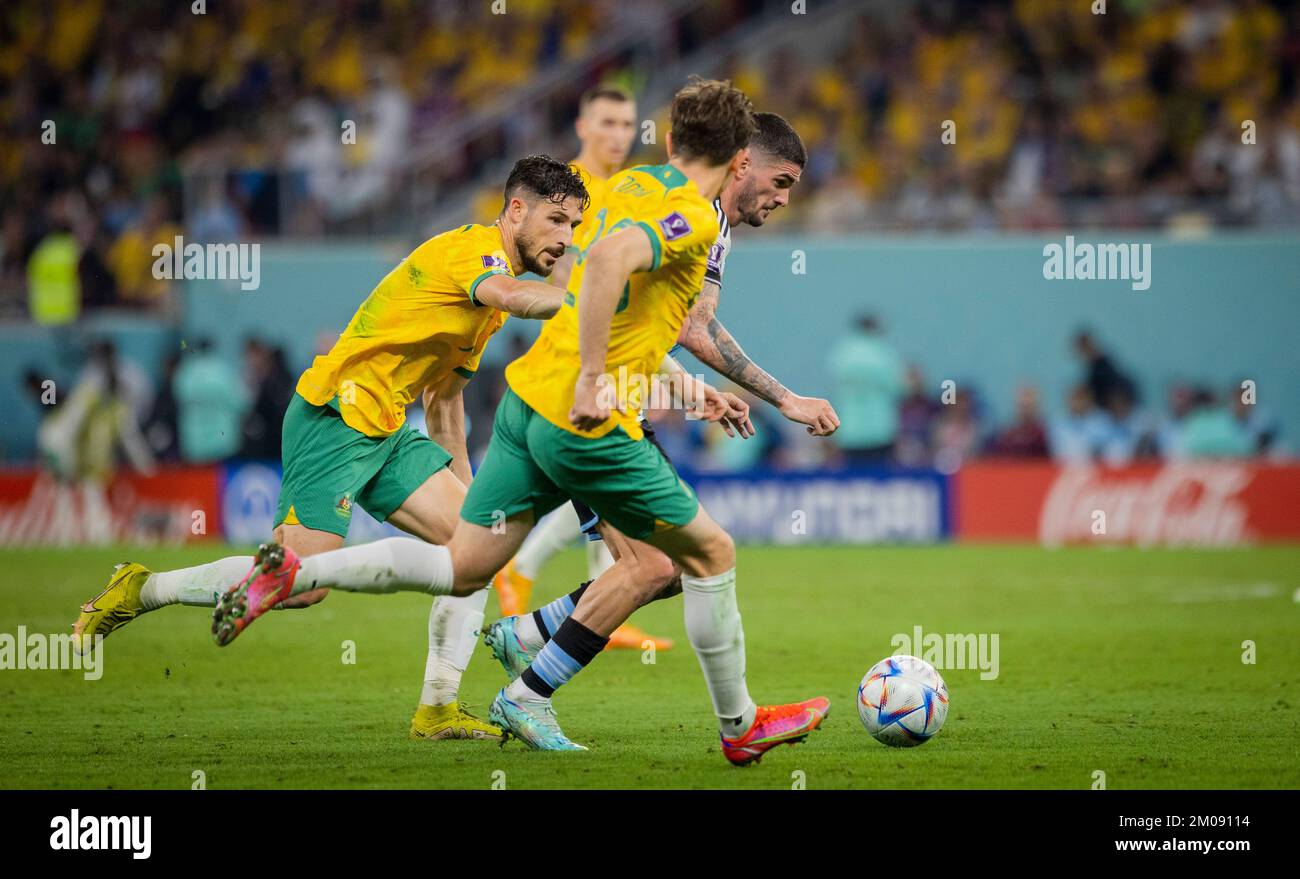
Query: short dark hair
point(711, 120)
point(778, 139)
point(546, 178)
point(606, 91)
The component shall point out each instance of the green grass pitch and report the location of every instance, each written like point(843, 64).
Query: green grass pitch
point(1124, 661)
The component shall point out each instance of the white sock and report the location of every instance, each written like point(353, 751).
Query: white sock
point(394, 564)
point(713, 627)
point(454, 625)
point(527, 632)
point(518, 691)
point(198, 587)
point(552, 534)
point(599, 559)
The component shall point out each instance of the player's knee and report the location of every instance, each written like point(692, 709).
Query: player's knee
point(720, 550)
point(468, 575)
point(652, 573)
point(671, 588)
point(659, 571)
point(469, 581)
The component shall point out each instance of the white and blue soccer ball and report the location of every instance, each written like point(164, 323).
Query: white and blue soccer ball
point(902, 701)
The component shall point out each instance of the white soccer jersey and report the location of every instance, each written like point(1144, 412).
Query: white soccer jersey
point(721, 247)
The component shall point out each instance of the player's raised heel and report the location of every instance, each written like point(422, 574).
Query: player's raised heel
point(267, 583)
point(503, 640)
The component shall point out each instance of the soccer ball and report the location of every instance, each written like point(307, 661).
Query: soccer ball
point(902, 701)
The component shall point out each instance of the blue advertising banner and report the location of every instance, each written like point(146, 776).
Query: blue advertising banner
point(249, 492)
point(848, 506)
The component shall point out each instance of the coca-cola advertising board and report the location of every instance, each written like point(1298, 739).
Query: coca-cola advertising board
point(175, 505)
point(1196, 503)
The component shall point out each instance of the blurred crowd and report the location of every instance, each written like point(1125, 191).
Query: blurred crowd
point(208, 408)
point(122, 125)
point(204, 409)
point(893, 415)
point(120, 128)
point(1060, 116)
point(125, 125)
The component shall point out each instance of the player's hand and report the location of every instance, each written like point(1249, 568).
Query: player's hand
point(814, 412)
point(589, 410)
point(303, 599)
point(728, 410)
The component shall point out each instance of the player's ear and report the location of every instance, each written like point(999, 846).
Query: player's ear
point(668, 143)
point(740, 163)
point(517, 210)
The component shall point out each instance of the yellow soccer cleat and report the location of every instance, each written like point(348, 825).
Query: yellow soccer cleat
point(514, 590)
point(432, 722)
point(113, 608)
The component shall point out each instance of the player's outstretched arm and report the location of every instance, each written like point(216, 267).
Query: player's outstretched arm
point(704, 336)
point(609, 264)
point(444, 418)
point(706, 401)
point(559, 276)
point(522, 298)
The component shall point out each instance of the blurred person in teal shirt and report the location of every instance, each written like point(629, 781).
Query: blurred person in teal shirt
point(868, 376)
point(1213, 431)
point(212, 400)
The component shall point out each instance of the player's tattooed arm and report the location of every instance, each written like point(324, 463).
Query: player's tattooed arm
point(704, 336)
point(535, 299)
point(444, 418)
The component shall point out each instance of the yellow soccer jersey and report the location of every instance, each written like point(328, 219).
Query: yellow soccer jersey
point(596, 187)
point(420, 324)
point(681, 225)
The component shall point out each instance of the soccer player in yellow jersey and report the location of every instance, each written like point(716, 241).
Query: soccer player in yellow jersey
point(566, 428)
point(606, 128)
point(421, 331)
point(642, 573)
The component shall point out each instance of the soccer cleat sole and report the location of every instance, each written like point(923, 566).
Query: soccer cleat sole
point(494, 637)
point(229, 616)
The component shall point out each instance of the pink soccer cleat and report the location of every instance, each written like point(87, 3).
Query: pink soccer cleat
point(776, 725)
point(268, 583)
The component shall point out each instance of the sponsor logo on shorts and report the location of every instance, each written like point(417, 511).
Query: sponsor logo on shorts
point(674, 226)
point(344, 507)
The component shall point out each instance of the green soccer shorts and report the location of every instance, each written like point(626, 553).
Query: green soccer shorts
point(533, 465)
point(329, 466)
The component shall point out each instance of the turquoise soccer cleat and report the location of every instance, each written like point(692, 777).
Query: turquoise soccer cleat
point(506, 647)
point(533, 723)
